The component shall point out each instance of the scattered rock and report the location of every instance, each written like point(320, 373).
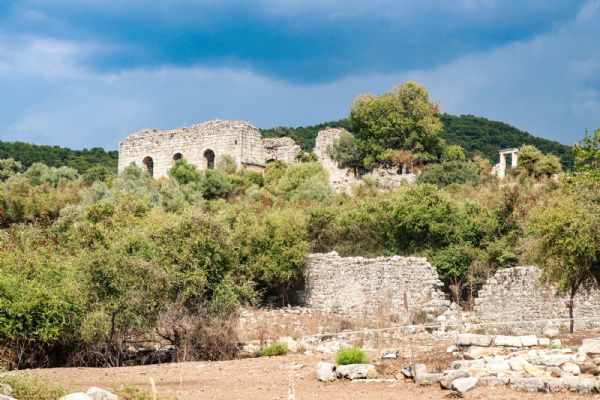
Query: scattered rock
point(462, 385)
point(530, 384)
point(580, 384)
point(591, 346)
point(551, 332)
point(450, 375)
point(325, 372)
point(6, 397)
point(452, 349)
point(470, 339)
point(529, 340)
point(356, 371)
point(556, 343)
point(292, 344)
point(5, 389)
point(76, 396)
point(414, 371)
point(571, 368)
point(544, 341)
point(494, 380)
point(589, 367)
point(428, 378)
point(508, 341)
point(476, 352)
point(97, 393)
point(464, 364)
point(389, 356)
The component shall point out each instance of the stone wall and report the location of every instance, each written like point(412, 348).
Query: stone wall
point(238, 139)
point(358, 287)
point(341, 179)
point(517, 294)
point(283, 148)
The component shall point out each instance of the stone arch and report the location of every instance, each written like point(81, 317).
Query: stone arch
point(177, 156)
point(209, 159)
point(148, 163)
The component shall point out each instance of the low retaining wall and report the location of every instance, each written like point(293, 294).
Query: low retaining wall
point(359, 287)
point(517, 295)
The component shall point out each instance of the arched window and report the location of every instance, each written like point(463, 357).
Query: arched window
point(209, 156)
point(149, 165)
point(177, 156)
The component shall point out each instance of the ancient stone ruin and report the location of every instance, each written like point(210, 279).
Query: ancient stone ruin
point(357, 286)
point(202, 145)
point(517, 294)
point(500, 169)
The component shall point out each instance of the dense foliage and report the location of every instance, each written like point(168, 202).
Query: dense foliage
point(55, 156)
point(476, 135)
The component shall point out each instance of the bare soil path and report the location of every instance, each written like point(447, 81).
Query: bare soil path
point(260, 379)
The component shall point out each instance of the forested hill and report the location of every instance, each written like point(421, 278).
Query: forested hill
point(482, 136)
point(55, 156)
point(476, 135)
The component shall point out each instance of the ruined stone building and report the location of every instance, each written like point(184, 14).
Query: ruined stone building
point(202, 145)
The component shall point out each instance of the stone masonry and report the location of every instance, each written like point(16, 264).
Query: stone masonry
point(202, 145)
point(282, 148)
point(358, 287)
point(517, 294)
point(341, 179)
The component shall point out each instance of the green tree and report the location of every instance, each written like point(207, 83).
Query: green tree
point(450, 172)
point(548, 165)
point(344, 150)
point(403, 119)
point(529, 155)
point(564, 237)
point(587, 152)
point(8, 168)
point(454, 153)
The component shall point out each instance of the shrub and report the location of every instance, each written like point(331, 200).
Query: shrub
point(33, 389)
point(276, 349)
point(450, 172)
point(351, 355)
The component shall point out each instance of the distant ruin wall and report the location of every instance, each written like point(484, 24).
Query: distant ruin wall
point(341, 179)
point(357, 286)
point(238, 139)
point(283, 148)
point(517, 295)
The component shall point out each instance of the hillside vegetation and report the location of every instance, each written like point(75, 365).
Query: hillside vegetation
point(93, 264)
point(54, 156)
point(476, 135)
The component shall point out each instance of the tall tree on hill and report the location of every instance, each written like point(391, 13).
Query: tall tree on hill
point(587, 152)
point(403, 119)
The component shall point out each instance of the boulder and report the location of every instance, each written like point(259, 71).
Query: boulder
point(470, 339)
point(555, 343)
point(529, 340)
point(551, 332)
point(356, 371)
point(462, 385)
point(97, 393)
point(571, 368)
point(497, 365)
point(531, 384)
point(464, 364)
point(581, 384)
point(76, 396)
point(5, 389)
point(508, 341)
point(450, 375)
point(493, 380)
point(476, 352)
point(325, 372)
point(6, 397)
point(544, 341)
point(589, 367)
point(414, 371)
point(428, 377)
point(591, 346)
point(291, 343)
point(552, 360)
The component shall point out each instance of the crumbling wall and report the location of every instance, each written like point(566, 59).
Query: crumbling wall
point(283, 148)
point(358, 287)
point(238, 139)
point(341, 179)
point(518, 295)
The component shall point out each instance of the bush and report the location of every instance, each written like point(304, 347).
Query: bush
point(277, 349)
point(351, 355)
point(450, 172)
point(33, 389)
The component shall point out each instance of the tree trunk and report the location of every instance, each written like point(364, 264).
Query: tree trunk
point(571, 305)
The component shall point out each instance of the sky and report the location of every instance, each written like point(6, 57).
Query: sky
point(87, 73)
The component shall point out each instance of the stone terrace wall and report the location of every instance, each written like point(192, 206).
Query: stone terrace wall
point(357, 287)
point(283, 148)
point(517, 294)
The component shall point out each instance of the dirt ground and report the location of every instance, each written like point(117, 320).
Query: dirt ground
point(260, 379)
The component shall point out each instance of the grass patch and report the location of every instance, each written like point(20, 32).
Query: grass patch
point(134, 393)
point(33, 389)
point(351, 355)
point(277, 349)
